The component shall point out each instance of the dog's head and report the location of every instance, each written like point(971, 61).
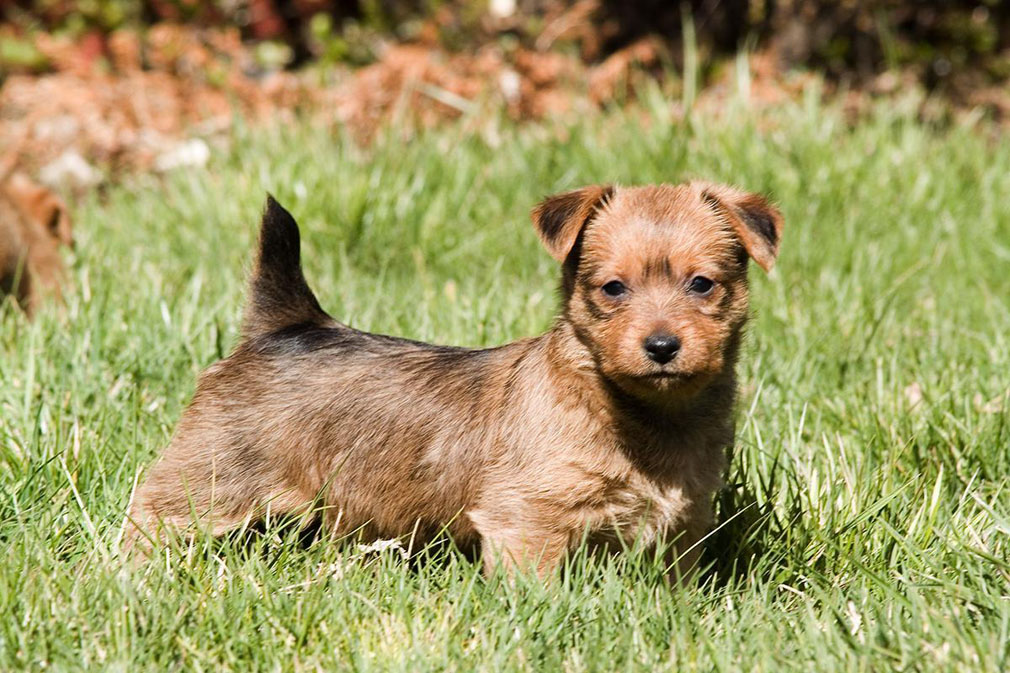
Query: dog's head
point(43, 209)
point(655, 278)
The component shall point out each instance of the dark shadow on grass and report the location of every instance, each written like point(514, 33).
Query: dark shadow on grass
point(738, 549)
point(735, 551)
point(270, 540)
point(747, 528)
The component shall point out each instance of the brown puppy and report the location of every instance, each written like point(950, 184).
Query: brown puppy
point(34, 222)
point(613, 425)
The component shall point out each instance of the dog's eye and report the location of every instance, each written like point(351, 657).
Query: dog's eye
point(614, 288)
point(701, 285)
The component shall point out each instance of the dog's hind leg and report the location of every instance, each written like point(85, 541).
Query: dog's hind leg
point(198, 497)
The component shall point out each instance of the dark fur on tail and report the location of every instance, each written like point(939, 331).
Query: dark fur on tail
point(279, 297)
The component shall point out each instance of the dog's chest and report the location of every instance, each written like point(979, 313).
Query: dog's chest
point(635, 509)
point(623, 499)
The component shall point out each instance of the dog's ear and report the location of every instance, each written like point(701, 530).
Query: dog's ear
point(57, 222)
point(560, 218)
point(756, 222)
point(43, 208)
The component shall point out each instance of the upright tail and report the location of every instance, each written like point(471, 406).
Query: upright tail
point(279, 297)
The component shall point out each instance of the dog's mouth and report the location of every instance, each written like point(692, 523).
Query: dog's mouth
point(664, 375)
point(661, 385)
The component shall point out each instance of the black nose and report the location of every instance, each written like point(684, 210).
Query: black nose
point(661, 348)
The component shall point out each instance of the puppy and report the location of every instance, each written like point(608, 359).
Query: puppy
point(34, 222)
point(611, 427)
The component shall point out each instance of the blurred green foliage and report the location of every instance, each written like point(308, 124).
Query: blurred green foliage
point(847, 39)
point(21, 54)
point(76, 16)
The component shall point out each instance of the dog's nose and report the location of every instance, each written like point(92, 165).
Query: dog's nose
point(661, 348)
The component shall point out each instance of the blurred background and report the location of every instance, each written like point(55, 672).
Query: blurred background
point(91, 88)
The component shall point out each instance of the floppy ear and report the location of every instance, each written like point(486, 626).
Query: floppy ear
point(756, 222)
point(42, 206)
point(57, 221)
point(560, 218)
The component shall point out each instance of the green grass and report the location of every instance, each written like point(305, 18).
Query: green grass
point(865, 525)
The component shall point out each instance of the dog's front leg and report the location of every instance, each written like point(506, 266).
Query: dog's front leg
point(685, 553)
point(541, 551)
point(518, 539)
point(682, 560)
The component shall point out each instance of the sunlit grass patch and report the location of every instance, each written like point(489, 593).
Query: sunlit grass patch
point(866, 517)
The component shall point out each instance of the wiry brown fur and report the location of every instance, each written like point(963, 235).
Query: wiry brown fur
point(523, 449)
point(34, 222)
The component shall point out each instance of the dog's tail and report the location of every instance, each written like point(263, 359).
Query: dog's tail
point(279, 297)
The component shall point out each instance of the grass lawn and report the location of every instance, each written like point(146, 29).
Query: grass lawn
point(867, 516)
